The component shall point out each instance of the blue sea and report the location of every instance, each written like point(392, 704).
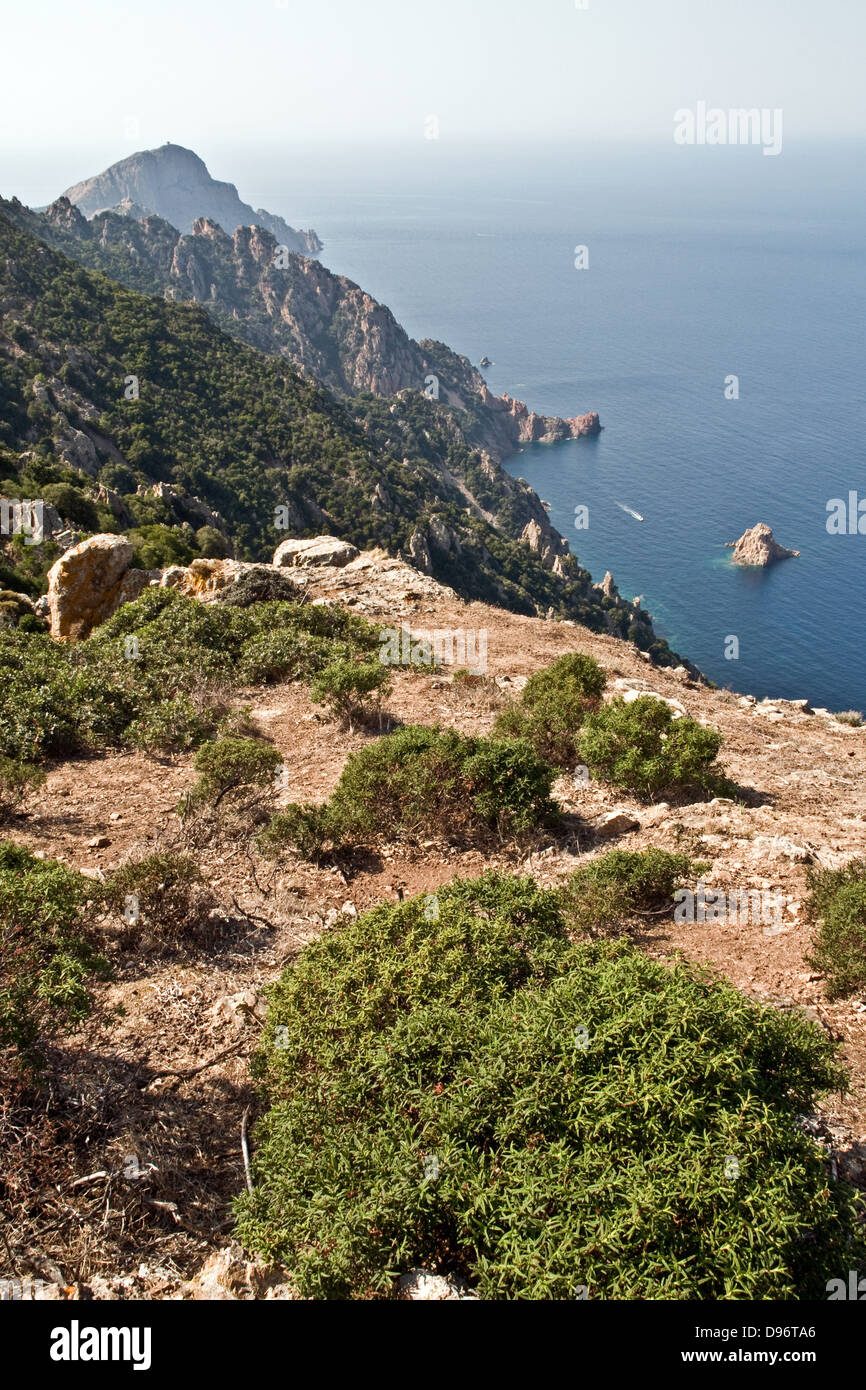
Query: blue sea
point(704, 264)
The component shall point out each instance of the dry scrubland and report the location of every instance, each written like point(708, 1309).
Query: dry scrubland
point(122, 1178)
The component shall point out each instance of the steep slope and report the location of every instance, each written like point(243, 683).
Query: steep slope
point(144, 417)
point(174, 183)
point(291, 305)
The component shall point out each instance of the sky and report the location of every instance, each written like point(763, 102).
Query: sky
point(85, 84)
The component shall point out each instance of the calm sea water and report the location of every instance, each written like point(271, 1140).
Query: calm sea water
point(702, 264)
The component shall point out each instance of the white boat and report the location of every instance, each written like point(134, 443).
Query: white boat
point(637, 516)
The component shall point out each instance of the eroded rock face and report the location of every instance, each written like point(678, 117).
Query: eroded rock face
point(88, 583)
point(321, 550)
point(546, 543)
point(205, 579)
point(759, 547)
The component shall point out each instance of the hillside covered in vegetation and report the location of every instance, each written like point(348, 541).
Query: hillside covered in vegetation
point(125, 412)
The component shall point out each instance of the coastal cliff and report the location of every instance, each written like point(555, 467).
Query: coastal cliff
point(285, 304)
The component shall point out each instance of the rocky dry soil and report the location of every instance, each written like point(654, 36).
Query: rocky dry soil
point(160, 1075)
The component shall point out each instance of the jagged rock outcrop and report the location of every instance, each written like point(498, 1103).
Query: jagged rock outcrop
point(547, 429)
point(191, 508)
point(205, 579)
point(174, 183)
point(419, 552)
point(759, 547)
point(608, 588)
point(547, 544)
point(89, 583)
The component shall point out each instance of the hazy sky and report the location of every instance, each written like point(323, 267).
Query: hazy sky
point(86, 83)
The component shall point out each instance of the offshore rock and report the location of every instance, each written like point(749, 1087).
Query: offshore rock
point(759, 547)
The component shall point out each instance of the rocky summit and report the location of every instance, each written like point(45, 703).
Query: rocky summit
point(174, 183)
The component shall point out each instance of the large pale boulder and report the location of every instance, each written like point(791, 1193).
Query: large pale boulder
point(88, 583)
point(321, 550)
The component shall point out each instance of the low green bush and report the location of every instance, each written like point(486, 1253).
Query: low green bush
point(143, 677)
point(310, 829)
point(837, 902)
point(425, 781)
point(172, 726)
point(601, 897)
point(284, 654)
point(16, 780)
point(553, 706)
point(48, 956)
point(463, 1090)
point(232, 767)
point(643, 748)
point(351, 689)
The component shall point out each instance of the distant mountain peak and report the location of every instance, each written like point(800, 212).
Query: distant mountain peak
point(175, 184)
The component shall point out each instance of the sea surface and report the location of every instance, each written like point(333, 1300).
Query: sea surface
point(703, 264)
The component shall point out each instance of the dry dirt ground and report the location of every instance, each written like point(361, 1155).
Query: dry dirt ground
point(148, 1101)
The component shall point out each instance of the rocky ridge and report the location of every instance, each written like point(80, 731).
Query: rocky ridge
point(174, 183)
point(292, 306)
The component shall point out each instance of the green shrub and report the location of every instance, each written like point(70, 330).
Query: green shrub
point(552, 707)
point(311, 829)
point(346, 687)
point(601, 897)
point(644, 749)
point(227, 766)
point(49, 706)
point(852, 717)
point(158, 546)
point(16, 780)
point(47, 957)
point(13, 607)
point(173, 726)
point(284, 655)
point(212, 544)
point(837, 900)
point(72, 504)
point(57, 699)
point(162, 897)
point(424, 780)
point(465, 1091)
